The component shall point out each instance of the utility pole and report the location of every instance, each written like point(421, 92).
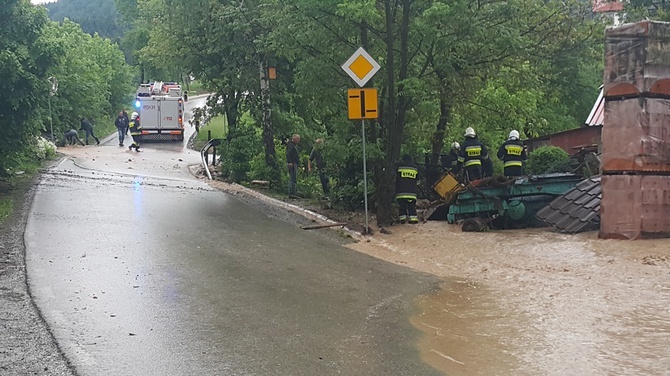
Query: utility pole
point(265, 96)
point(268, 134)
point(52, 92)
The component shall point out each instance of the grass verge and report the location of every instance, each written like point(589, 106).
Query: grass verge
point(23, 173)
point(216, 128)
point(6, 205)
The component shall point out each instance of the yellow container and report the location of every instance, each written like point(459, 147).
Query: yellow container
point(447, 186)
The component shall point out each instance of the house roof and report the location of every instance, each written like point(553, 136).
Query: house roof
point(597, 114)
point(600, 6)
point(576, 210)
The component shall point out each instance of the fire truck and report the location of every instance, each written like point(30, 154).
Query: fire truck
point(161, 110)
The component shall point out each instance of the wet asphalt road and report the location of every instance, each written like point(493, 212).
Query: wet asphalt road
point(147, 271)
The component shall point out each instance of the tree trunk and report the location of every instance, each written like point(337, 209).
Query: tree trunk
point(396, 111)
point(441, 129)
point(230, 105)
point(384, 185)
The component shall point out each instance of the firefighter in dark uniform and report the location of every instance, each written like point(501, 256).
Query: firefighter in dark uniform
point(135, 131)
point(405, 189)
point(513, 154)
point(450, 161)
point(473, 153)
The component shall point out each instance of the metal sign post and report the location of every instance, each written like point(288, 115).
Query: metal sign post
point(362, 104)
point(365, 179)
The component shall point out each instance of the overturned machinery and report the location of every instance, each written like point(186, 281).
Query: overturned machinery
point(501, 202)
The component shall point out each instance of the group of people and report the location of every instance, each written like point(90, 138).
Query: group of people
point(124, 125)
point(472, 158)
point(293, 162)
point(72, 136)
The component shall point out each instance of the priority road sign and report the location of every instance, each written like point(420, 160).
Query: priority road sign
point(362, 103)
point(361, 67)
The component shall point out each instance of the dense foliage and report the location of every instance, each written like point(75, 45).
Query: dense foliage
point(25, 60)
point(98, 16)
point(636, 10)
point(548, 159)
point(446, 65)
point(93, 79)
point(499, 65)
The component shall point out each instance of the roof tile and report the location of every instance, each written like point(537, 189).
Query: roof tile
point(577, 209)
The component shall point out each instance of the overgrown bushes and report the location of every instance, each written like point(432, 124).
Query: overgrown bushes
point(548, 159)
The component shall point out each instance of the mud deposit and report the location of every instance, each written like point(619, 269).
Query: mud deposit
point(533, 302)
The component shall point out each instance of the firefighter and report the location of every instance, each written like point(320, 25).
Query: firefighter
point(450, 161)
point(405, 190)
point(473, 153)
point(135, 131)
point(513, 154)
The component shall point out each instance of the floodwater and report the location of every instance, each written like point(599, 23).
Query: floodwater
point(535, 302)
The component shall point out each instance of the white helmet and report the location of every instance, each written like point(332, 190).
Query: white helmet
point(513, 135)
point(469, 132)
point(455, 145)
point(134, 115)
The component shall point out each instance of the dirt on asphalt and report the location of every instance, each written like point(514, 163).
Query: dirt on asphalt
point(517, 302)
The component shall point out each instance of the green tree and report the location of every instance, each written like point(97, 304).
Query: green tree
point(95, 17)
point(26, 56)
point(94, 80)
point(445, 65)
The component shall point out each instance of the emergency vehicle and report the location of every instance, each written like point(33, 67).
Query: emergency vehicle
point(161, 111)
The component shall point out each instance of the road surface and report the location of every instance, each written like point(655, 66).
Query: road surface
point(141, 269)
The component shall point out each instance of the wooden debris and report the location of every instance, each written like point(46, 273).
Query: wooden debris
point(314, 227)
point(261, 183)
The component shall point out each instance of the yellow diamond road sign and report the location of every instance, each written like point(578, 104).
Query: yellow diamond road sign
point(361, 67)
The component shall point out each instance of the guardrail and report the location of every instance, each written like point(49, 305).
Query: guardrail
point(203, 154)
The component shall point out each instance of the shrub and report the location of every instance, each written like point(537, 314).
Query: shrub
point(236, 156)
point(43, 149)
point(547, 159)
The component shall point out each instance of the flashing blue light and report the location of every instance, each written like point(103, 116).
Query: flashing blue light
point(137, 103)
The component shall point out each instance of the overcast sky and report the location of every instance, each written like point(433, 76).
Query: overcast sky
point(42, 1)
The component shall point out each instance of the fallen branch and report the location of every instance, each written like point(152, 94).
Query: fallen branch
point(314, 227)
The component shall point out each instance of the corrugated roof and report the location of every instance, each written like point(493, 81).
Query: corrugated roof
point(576, 210)
point(597, 115)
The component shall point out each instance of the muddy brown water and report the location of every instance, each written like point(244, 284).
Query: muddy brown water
point(534, 302)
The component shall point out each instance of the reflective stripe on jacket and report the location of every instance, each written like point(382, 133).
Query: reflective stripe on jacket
point(512, 153)
point(472, 152)
point(405, 182)
point(135, 127)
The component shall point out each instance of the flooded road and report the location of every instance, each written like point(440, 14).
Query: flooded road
point(533, 302)
point(140, 269)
